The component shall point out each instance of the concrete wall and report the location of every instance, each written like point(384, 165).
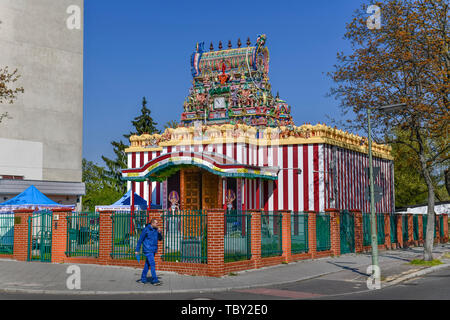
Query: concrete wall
point(21, 158)
point(35, 39)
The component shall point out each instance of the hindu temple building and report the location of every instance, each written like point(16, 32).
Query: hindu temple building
point(237, 147)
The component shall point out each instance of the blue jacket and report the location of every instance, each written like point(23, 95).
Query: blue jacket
point(149, 240)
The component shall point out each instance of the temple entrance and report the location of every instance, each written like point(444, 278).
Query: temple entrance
point(200, 189)
point(210, 191)
point(191, 193)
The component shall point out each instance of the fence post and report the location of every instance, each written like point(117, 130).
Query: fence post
point(20, 252)
point(438, 228)
point(256, 238)
point(359, 237)
point(420, 226)
point(399, 230)
point(215, 239)
point(105, 237)
point(59, 235)
point(286, 235)
point(335, 231)
point(445, 227)
point(387, 231)
point(312, 240)
point(410, 230)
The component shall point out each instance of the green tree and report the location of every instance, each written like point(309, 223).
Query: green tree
point(99, 191)
point(143, 123)
point(410, 186)
point(113, 174)
point(407, 60)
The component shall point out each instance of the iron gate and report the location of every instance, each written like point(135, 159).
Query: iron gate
point(347, 227)
point(40, 236)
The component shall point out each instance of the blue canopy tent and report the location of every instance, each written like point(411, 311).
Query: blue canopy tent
point(124, 203)
point(33, 199)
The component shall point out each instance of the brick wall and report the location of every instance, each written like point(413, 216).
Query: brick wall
point(215, 265)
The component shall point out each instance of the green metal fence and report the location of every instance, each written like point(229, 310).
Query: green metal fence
point(237, 236)
point(405, 228)
point(6, 233)
point(126, 230)
point(347, 232)
point(82, 234)
point(415, 227)
point(367, 230)
point(40, 236)
point(441, 226)
point(380, 228)
point(185, 236)
point(323, 232)
point(299, 232)
point(393, 225)
point(271, 234)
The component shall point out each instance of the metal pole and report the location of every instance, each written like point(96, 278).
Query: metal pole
point(372, 199)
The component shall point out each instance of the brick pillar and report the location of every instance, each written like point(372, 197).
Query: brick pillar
point(420, 226)
point(59, 235)
point(256, 238)
point(410, 230)
point(216, 228)
point(286, 235)
point(399, 230)
point(21, 234)
point(445, 227)
point(438, 228)
point(105, 237)
point(387, 231)
point(357, 214)
point(312, 240)
point(335, 231)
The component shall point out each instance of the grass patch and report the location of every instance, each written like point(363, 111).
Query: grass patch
point(419, 262)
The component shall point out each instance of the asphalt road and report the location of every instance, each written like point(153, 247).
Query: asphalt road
point(339, 286)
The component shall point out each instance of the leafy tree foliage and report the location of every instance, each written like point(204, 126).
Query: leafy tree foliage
point(406, 61)
point(99, 191)
point(8, 92)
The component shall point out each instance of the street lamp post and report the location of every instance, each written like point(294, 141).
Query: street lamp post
point(374, 238)
point(372, 199)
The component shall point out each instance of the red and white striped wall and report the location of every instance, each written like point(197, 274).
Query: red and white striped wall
point(308, 189)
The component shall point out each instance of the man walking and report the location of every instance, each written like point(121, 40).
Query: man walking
point(149, 240)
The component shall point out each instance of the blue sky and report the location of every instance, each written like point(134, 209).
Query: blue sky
point(142, 48)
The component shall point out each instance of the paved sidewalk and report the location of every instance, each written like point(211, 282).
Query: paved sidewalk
point(35, 277)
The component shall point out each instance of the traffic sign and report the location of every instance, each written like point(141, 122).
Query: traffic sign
point(377, 193)
point(376, 171)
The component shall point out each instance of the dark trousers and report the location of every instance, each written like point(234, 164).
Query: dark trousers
point(149, 263)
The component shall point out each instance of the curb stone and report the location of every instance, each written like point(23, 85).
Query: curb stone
point(415, 274)
point(396, 280)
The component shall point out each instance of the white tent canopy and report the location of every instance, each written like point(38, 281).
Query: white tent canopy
point(439, 208)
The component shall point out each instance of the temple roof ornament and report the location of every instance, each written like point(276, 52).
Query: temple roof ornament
point(232, 86)
point(231, 101)
point(228, 133)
